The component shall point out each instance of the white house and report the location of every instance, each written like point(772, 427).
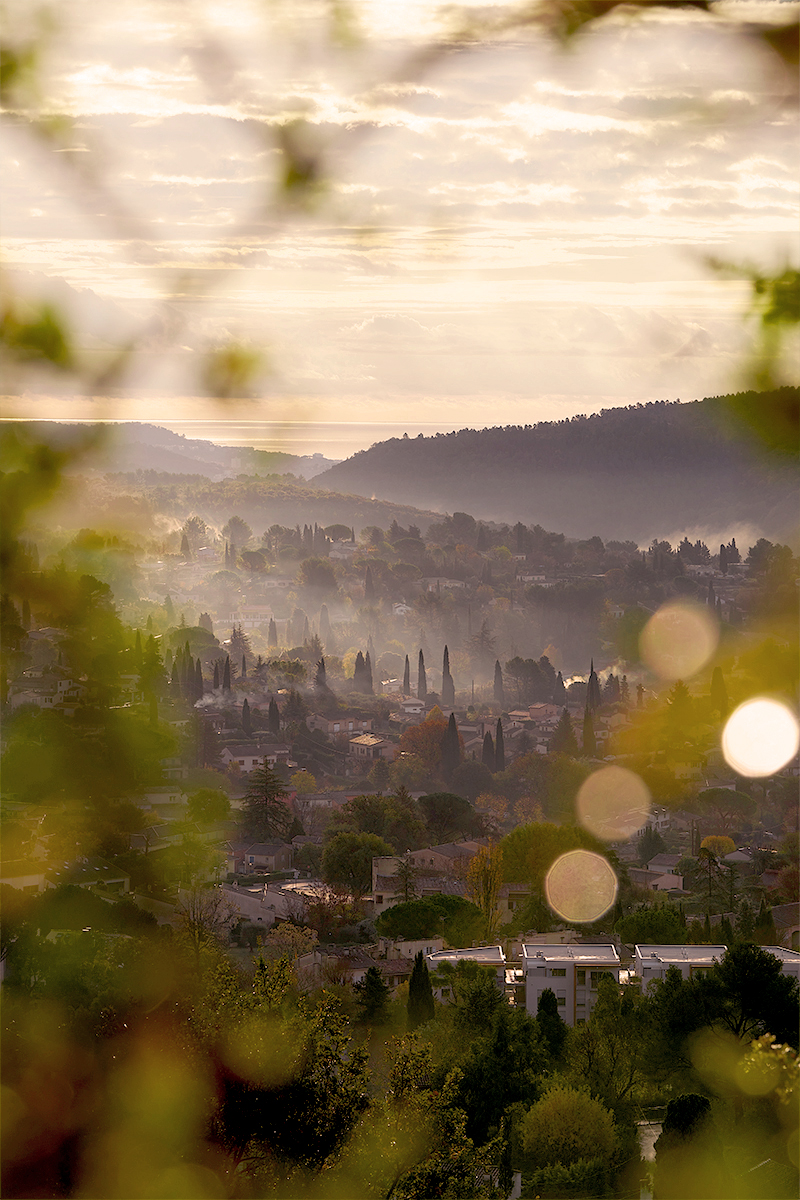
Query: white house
point(572, 972)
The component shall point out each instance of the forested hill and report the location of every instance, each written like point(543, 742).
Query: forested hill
point(636, 472)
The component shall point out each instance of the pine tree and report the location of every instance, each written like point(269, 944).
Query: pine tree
point(624, 690)
point(487, 754)
point(499, 747)
point(272, 634)
point(372, 997)
point(589, 742)
point(448, 687)
point(563, 740)
point(422, 680)
point(246, 726)
point(273, 717)
point(226, 676)
point(499, 693)
point(407, 678)
point(421, 1007)
point(266, 816)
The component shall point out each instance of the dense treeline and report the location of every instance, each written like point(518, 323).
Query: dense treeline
point(625, 472)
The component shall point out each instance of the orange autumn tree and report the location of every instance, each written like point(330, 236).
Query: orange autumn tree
point(425, 740)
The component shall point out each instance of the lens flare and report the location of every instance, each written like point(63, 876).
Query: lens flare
point(580, 886)
point(760, 737)
point(613, 803)
point(678, 640)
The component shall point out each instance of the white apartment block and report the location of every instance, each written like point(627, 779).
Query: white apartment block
point(485, 956)
point(653, 962)
point(573, 972)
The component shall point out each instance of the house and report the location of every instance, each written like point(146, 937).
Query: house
point(269, 856)
point(369, 746)
point(247, 757)
point(412, 706)
point(485, 956)
point(91, 873)
point(573, 972)
point(656, 881)
point(251, 616)
point(340, 724)
point(449, 857)
point(163, 797)
point(24, 874)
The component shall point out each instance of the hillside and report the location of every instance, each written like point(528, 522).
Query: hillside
point(639, 472)
point(130, 446)
point(144, 497)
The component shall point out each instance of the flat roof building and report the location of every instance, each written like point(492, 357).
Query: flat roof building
point(572, 972)
point(653, 962)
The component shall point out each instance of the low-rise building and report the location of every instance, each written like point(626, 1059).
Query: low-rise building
point(572, 972)
point(340, 724)
point(484, 956)
point(369, 746)
point(653, 962)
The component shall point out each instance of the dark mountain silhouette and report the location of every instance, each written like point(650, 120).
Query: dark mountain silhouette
point(636, 472)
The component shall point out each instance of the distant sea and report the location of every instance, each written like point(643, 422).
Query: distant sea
point(333, 439)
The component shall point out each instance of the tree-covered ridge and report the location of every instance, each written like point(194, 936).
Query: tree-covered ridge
point(623, 472)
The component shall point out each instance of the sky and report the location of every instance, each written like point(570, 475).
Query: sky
point(504, 231)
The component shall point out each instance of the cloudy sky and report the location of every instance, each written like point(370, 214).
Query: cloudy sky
point(502, 232)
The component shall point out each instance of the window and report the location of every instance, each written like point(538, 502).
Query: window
point(379, 899)
point(561, 1001)
point(558, 972)
point(581, 978)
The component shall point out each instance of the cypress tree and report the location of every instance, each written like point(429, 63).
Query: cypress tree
point(559, 690)
point(198, 680)
point(593, 696)
point(422, 681)
point(244, 667)
point(487, 755)
point(216, 674)
point(499, 748)
point(499, 692)
point(711, 598)
point(175, 681)
point(407, 678)
point(186, 550)
point(273, 717)
point(26, 614)
point(589, 743)
point(169, 609)
point(448, 687)
point(321, 679)
point(451, 748)
point(359, 674)
point(226, 676)
point(246, 726)
point(368, 688)
point(723, 560)
point(420, 994)
point(137, 651)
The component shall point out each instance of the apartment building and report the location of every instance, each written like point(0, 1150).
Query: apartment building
point(573, 972)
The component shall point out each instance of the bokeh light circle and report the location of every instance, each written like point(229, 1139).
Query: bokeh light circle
point(678, 640)
point(613, 803)
point(760, 737)
point(580, 886)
